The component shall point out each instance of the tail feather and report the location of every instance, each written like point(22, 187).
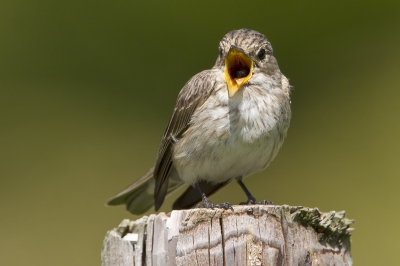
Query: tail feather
point(141, 200)
point(139, 196)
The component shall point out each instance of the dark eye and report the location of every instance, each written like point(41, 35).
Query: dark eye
point(261, 54)
point(220, 52)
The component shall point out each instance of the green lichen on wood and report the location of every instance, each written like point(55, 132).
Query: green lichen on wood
point(332, 228)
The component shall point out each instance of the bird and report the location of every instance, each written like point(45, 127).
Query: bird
point(228, 122)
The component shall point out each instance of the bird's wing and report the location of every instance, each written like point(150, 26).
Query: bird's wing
point(192, 96)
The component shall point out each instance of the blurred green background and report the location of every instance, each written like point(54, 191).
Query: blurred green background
point(87, 87)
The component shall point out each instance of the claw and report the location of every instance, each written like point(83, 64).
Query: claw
point(225, 206)
point(253, 201)
point(265, 202)
point(209, 205)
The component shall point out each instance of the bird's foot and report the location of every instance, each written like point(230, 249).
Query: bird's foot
point(253, 201)
point(209, 205)
point(265, 202)
point(225, 206)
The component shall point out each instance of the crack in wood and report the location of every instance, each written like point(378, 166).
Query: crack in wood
point(222, 240)
point(209, 256)
point(284, 233)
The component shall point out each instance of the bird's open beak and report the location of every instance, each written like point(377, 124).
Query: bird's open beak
point(238, 69)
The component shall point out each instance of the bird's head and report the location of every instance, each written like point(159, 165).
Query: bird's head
point(242, 54)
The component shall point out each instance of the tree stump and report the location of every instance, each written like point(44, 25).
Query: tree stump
point(249, 235)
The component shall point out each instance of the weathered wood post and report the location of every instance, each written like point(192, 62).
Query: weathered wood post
point(249, 235)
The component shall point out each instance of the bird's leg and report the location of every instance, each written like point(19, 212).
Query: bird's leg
point(208, 204)
point(250, 199)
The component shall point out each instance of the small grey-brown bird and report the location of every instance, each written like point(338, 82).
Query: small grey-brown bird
point(228, 122)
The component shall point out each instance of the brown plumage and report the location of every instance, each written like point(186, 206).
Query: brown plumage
point(228, 122)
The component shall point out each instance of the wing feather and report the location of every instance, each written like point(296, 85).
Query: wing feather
point(192, 96)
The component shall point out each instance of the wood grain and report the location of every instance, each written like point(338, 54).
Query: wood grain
point(249, 235)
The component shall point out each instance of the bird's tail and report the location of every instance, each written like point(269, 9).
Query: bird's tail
point(138, 197)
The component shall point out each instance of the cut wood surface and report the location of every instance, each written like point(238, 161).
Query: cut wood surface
point(249, 235)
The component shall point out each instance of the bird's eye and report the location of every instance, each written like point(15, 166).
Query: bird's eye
point(261, 54)
point(220, 52)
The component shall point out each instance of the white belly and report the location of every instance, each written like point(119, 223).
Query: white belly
point(230, 137)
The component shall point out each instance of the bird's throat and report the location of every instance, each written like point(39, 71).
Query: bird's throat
point(238, 70)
